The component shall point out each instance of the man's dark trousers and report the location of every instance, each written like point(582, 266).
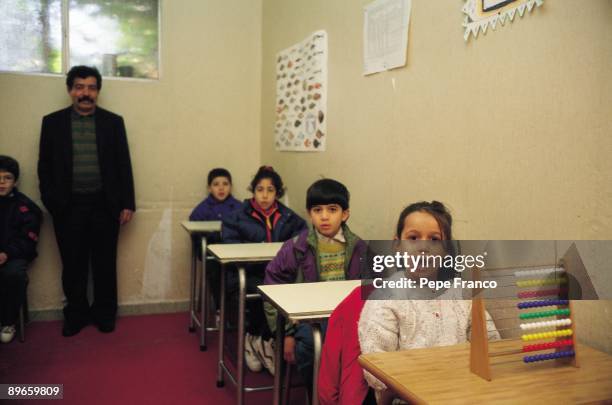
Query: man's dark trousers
point(87, 234)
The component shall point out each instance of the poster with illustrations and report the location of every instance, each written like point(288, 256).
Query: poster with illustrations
point(482, 14)
point(301, 96)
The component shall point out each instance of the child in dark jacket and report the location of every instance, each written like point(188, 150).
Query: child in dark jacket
point(220, 200)
point(260, 219)
point(20, 222)
point(328, 251)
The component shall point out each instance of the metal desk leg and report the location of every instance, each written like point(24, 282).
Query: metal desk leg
point(203, 300)
point(192, 284)
point(220, 382)
point(316, 336)
point(241, 310)
point(279, 359)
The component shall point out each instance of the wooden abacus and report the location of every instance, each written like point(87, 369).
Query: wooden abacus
point(552, 302)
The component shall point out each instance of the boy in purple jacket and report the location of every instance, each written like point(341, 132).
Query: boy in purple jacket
point(327, 251)
point(219, 201)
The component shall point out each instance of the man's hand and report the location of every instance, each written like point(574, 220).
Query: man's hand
point(289, 352)
point(125, 216)
point(3, 258)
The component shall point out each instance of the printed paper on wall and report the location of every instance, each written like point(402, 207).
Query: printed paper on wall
point(301, 95)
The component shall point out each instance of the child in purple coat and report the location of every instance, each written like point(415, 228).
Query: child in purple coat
point(327, 251)
point(218, 204)
point(219, 201)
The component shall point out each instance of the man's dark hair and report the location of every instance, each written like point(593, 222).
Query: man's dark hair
point(8, 164)
point(219, 172)
point(327, 191)
point(83, 72)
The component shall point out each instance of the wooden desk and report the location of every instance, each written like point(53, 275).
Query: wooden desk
point(198, 231)
point(240, 254)
point(442, 375)
point(303, 302)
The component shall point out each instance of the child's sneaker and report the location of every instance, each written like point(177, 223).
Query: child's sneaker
point(7, 333)
point(250, 354)
point(267, 355)
point(262, 355)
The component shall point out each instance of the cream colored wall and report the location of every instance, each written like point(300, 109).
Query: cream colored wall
point(511, 130)
point(202, 113)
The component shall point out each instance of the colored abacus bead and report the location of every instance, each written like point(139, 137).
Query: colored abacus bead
point(542, 293)
point(541, 281)
point(544, 314)
point(547, 345)
point(539, 272)
point(545, 324)
point(549, 356)
point(540, 303)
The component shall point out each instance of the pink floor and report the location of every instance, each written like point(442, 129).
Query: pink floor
point(148, 360)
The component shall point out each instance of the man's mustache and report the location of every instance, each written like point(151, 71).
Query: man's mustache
point(85, 98)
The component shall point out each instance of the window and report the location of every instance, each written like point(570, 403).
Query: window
point(31, 36)
point(119, 37)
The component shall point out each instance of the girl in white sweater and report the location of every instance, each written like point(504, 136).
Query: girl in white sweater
point(400, 324)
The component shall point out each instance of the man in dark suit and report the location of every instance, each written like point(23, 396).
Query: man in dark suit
point(86, 184)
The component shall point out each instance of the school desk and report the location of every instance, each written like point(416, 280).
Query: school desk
point(303, 302)
point(240, 254)
point(442, 375)
point(198, 232)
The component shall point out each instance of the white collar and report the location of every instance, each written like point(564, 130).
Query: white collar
point(337, 238)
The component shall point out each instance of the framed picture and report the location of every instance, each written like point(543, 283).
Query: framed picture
point(482, 14)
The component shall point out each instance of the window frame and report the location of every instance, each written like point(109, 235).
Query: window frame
point(65, 22)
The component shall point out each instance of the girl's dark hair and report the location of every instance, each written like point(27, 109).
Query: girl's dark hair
point(83, 72)
point(219, 172)
point(327, 191)
point(436, 209)
point(267, 172)
point(8, 164)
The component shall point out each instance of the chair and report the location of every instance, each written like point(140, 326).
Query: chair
point(288, 384)
point(23, 318)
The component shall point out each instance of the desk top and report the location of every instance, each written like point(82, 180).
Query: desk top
point(442, 375)
point(201, 226)
point(308, 301)
point(245, 252)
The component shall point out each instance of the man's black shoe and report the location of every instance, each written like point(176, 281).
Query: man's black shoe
point(72, 328)
point(106, 327)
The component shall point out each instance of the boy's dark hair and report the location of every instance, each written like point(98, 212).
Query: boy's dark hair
point(83, 72)
point(436, 209)
point(219, 172)
point(327, 191)
point(8, 164)
point(267, 172)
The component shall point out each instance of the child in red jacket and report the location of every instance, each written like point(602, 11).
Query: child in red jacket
point(341, 378)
